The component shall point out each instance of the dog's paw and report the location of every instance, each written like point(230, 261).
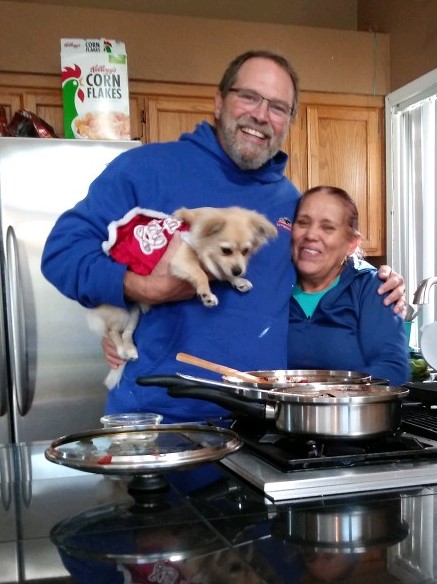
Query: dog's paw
point(209, 300)
point(242, 285)
point(128, 352)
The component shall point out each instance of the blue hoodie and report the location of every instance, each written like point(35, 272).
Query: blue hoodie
point(246, 330)
point(350, 329)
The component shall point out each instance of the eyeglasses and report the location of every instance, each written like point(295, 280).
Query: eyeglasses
point(251, 99)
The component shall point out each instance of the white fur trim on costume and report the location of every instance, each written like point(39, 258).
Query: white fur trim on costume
point(186, 236)
point(112, 227)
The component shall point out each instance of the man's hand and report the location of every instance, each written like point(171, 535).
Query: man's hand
point(394, 284)
point(110, 353)
point(160, 286)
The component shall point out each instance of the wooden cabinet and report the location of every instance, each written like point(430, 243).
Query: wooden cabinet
point(167, 118)
point(136, 113)
point(11, 101)
point(47, 104)
point(40, 94)
point(161, 112)
point(336, 139)
point(169, 109)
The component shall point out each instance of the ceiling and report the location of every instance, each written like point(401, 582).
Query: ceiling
point(340, 14)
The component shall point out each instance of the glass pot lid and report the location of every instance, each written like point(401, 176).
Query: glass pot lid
point(142, 451)
point(126, 534)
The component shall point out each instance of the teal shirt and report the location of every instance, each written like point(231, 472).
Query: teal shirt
point(308, 301)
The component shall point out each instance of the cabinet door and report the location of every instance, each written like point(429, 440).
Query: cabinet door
point(136, 115)
point(47, 104)
point(345, 150)
point(166, 118)
point(296, 146)
point(11, 102)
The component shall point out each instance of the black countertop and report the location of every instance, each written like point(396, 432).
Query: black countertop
point(206, 527)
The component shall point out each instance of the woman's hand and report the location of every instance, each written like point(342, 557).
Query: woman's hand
point(394, 284)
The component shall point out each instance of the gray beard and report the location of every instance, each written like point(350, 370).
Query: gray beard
point(241, 159)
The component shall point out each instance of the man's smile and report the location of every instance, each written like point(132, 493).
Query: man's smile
point(253, 132)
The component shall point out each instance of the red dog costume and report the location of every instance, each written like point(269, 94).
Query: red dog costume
point(140, 238)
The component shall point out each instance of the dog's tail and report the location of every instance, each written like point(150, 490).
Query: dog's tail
point(114, 376)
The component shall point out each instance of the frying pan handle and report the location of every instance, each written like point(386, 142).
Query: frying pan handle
point(179, 387)
point(164, 381)
point(218, 396)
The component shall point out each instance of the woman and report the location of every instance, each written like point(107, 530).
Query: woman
point(336, 319)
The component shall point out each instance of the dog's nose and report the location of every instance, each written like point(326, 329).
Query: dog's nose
point(236, 271)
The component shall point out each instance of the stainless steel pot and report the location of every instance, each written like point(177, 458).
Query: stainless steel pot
point(354, 526)
point(327, 411)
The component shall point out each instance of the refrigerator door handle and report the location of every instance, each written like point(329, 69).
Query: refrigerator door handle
point(6, 477)
point(17, 327)
point(4, 386)
point(25, 469)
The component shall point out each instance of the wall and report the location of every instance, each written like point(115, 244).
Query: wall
point(320, 13)
point(412, 28)
point(173, 48)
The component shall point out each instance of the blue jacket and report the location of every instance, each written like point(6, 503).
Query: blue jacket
point(350, 329)
point(246, 330)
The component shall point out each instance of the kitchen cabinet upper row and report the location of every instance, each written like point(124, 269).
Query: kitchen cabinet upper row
point(336, 139)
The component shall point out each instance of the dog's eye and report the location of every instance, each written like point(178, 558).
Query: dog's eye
point(245, 251)
point(226, 251)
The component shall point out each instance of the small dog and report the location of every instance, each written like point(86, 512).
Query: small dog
point(216, 242)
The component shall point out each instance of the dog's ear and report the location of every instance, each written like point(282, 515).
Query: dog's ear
point(185, 215)
point(210, 226)
point(263, 229)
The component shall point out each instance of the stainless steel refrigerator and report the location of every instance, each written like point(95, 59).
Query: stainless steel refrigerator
point(51, 365)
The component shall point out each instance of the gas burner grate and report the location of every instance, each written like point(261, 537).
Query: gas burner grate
point(290, 453)
point(420, 420)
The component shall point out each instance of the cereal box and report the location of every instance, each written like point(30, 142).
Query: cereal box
point(95, 89)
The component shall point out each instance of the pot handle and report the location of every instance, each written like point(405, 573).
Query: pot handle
point(165, 381)
point(179, 387)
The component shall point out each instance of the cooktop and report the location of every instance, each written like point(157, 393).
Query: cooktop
point(286, 468)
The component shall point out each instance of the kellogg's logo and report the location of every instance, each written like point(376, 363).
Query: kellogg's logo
point(71, 45)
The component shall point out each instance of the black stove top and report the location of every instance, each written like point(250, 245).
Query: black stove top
point(420, 420)
point(295, 453)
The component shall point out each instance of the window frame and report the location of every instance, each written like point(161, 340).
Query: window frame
point(398, 226)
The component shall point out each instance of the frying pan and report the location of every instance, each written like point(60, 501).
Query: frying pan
point(302, 377)
point(348, 410)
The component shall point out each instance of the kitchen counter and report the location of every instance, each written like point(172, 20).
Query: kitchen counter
point(206, 526)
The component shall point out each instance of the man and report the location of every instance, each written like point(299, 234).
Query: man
point(238, 162)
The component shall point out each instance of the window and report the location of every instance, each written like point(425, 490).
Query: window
point(411, 122)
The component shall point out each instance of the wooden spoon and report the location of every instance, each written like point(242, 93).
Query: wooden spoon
point(185, 358)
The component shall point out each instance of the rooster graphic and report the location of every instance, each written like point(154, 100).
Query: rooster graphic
point(71, 93)
point(107, 46)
